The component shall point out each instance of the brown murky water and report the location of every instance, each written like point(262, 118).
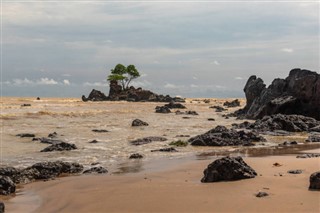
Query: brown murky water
point(74, 121)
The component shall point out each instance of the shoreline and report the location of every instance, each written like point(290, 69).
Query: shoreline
point(173, 185)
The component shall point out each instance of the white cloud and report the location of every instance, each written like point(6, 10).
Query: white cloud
point(96, 84)
point(142, 84)
point(215, 62)
point(239, 78)
point(46, 81)
point(287, 50)
point(194, 86)
point(25, 81)
point(170, 86)
point(194, 78)
point(66, 82)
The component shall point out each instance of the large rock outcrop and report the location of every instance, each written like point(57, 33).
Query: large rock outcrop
point(298, 94)
point(116, 93)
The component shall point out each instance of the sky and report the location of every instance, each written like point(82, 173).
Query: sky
point(186, 48)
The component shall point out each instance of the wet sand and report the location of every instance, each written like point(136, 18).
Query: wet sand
point(174, 186)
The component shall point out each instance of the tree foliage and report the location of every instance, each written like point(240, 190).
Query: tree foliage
point(123, 75)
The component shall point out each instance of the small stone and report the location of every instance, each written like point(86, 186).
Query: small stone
point(136, 156)
point(98, 170)
point(262, 194)
point(138, 122)
point(100, 130)
point(298, 171)
point(26, 135)
point(93, 141)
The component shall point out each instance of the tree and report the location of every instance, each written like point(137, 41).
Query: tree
point(124, 75)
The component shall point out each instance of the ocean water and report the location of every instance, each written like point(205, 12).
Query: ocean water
point(74, 120)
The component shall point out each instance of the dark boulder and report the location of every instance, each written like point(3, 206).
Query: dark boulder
point(174, 105)
point(262, 194)
point(98, 170)
point(95, 95)
point(298, 94)
point(63, 146)
point(53, 135)
point(138, 122)
point(234, 103)
point(93, 141)
point(7, 186)
point(147, 140)
point(50, 141)
point(314, 181)
point(227, 169)
point(221, 136)
point(162, 109)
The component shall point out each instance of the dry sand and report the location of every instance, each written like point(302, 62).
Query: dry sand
point(177, 188)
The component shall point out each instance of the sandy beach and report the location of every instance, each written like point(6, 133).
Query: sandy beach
point(174, 186)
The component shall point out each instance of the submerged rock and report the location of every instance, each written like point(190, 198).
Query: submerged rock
point(147, 140)
point(136, 156)
point(63, 146)
point(162, 109)
point(99, 130)
point(26, 135)
point(98, 170)
point(227, 169)
point(170, 149)
point(315, 181)
point(221, 136)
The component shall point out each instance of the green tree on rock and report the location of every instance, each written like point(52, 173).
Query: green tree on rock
point(123, 75)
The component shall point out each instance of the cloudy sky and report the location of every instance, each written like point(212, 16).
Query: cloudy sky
point(192, 49)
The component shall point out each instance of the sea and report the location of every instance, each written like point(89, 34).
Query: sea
point(73, 120)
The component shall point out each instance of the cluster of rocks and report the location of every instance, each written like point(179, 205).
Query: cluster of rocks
point(298, 94)
point(116, 93)
point(190, 112)
point(10, 176)
point(290, 123)
point(218, 108)
point(221, 136)
point(167, 107)
point(234, 103)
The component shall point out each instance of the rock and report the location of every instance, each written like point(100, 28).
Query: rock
point(179, 143)
point(147, 140)
point(26, 105)
point(98, 170)
point(136, 156)
point(38, 98)
point(50, 170)
point(314, 137)
point(191, 113)
point(221, 136)
point(211, 119)
point(182, 136)
point(286, 143)
point(173, 105)
point(186, 117)
point(315, 129)
point(297, 171)
point(207, 101)
point(26, 135)
point(93, 141)
point(290, 123)
point(262, 194)
point(170, 149)
point(53, 135)
point(7, 186)
point(314, 181)
point(2, 207)
point(227, 169)
point(99, 130)
point(309, 155)
point(298, 94)
point(50, 141)
point(162, 109)
point(138, 122)
point(63, 146)
point(95, 95)
point(234, 103)
point(218, 108)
